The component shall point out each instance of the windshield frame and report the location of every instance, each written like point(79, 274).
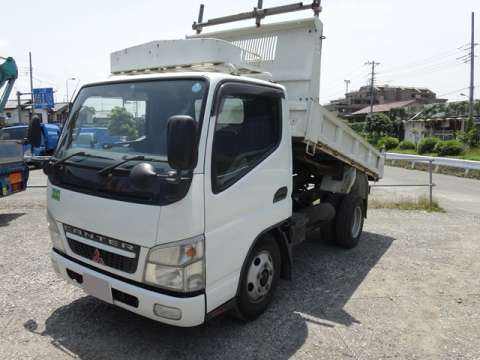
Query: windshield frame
point(67, 128)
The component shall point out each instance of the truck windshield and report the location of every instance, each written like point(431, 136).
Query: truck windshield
point(122, 119)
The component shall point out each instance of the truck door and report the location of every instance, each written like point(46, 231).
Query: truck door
point(247, 163)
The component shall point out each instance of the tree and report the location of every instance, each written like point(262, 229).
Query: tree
point(121, 123)
point(379, 124)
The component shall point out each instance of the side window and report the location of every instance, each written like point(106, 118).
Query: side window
point(247, 130)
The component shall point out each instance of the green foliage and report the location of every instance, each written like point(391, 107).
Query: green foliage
point(122, 123)
point(388, 142)
point(406, 145)
point(469, 137)
point(449, 148)
point(359, 127)
point(426, 145)
point(379, 124)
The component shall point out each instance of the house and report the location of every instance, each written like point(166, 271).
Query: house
point(440, 120)
point(355, 101)
point(13, 115)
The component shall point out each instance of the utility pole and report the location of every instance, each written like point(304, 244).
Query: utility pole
point(31, 77)
point(372, 81)
point(346, 86)
point(472, 67)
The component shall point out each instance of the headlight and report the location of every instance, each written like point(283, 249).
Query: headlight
point(55, 234)
point(177, 266)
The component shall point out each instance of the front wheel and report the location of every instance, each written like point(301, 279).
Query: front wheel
point(259, 279)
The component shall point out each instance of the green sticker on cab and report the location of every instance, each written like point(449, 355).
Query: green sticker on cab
point(56, 194)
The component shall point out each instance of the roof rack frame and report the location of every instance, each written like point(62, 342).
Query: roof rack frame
point(258, 13)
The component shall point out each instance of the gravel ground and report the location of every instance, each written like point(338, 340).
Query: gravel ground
point(410, 290)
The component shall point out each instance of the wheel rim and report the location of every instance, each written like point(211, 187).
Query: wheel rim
point(357, 221)
point(260, 276)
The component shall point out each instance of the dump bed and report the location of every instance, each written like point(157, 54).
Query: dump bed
point(290, 53)
point(287, 53)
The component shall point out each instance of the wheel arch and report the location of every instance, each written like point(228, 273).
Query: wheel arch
point(279, 233)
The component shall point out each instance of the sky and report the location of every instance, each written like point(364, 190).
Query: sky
point(416, 42)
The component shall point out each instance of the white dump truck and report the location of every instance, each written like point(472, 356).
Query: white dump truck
point(182, 183)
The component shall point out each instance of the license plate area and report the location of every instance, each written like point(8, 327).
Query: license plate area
point(98, 288)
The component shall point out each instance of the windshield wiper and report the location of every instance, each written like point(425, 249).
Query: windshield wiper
point(108, 169)
point(63, 160)
point(79, 153)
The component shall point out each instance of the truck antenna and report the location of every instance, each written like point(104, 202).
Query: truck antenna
point(258, 13)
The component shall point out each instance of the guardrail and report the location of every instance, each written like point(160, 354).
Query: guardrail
point(416, 158)
point(438, 161)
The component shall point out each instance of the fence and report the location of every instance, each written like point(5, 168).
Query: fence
point(422, 159)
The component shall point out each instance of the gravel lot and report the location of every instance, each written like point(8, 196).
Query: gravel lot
point(410, 290)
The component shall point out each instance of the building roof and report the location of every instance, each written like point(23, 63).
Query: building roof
point(13, 104)
point(384, 107)
point(59, 106)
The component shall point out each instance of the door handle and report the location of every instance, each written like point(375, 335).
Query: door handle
point(280, 194)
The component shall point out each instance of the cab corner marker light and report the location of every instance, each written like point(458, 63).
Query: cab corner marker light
point(167, 312)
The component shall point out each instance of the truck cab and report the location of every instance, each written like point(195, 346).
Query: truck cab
point(49, 135)
point(212, 178)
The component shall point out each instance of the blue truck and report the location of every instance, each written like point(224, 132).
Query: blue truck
point(48, 140)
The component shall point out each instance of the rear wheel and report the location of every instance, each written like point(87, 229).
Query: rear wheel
point(349, 221)
point(259, 279)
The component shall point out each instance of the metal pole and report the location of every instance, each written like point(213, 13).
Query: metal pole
point(66, 84)
point(430, 182)
point(472, 67)
point(19, 107)
point(31, 82)
point(346, 86)
point(31, 76)
point(200, 17)
point(372, 82)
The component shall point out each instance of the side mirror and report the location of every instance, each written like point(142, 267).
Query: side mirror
point(182, 150)
point(143, 176)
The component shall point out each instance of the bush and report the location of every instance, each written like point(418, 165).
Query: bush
point(379, 124)
point(388, 142)
point(449, 147)
point(406, 145)
point(359, 127)
point(426, 145)
point(469, 138)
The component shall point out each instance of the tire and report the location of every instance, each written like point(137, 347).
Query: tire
point(259, 279)
point(349, 221)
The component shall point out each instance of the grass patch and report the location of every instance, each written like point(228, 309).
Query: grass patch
point(421, 203)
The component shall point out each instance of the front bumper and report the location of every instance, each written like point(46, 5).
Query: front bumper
point(192, 308)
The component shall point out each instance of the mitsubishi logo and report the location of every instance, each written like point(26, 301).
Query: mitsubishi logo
point(97, 258)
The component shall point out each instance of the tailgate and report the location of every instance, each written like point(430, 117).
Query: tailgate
point(11, 151)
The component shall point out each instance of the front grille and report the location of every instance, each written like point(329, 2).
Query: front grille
point(104, 257)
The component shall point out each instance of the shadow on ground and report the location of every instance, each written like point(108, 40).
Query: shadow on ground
point(5, 219)
point(324, 277)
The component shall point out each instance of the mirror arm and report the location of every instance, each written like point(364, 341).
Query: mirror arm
point(173, 177)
